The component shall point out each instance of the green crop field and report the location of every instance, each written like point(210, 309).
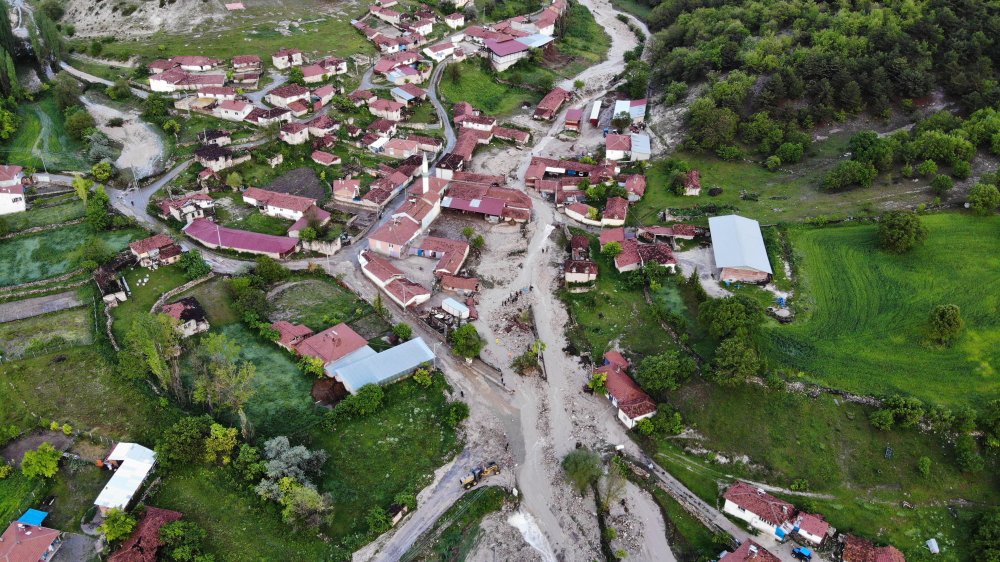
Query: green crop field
point(477, 87)
point(864, 313)
point(17, 492)
point(46, 215)
point(319, 304)
point(74, 326)
point(48, 254)
point(784, 196)
point(41, 140)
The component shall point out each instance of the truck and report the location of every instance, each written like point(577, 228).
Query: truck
point(802, 553)
point(476, 475)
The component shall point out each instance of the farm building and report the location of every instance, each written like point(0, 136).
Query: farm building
point(812, 528)
point(761, 510)
point(550, 104)
point(289, 335)
point(131, 464)
point(382, 368)
point(750, 551)
point(190, 316)
point(155, 250)
point(739, 249)
point(28, 542)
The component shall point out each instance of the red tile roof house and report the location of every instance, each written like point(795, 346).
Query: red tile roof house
point(189, 314)
point(315, 217)
point(298, 108)
point(609, 235)
point(451, 254)
point(401, 148)
point(617, 147)
point(692, 183)
point(385, 14)
point(362, 97)
point(857, 549)
point(387, 277)
point(750, 551)
point(440, 51)
point(176, 79)
point(346, 190)
point(634, 255)
point(218, 158)
point(322, 125)
point(158, 249)
point(505, 54)
point(393, 238)
point(285, 95)
point(579, 247)
point(332, 344)
point(632, 403)
point(615, 212)
point(289, 335)
point(812, 528)
point(455, 20)
point(583, 213)
point(143, 544)
point(323, 95)
point(275, 204)
point(187, 208)
point(12, 199)
point(462, 285)
point(286, 58)
point(635, 185)
point(387, 109)
point(245, 63)
point(29, 543)
point(516, 135)
point(212, 235)
point(573, 117)
point(550, 104)
point(579, 272)
point(764, 512)
point(217, 92)
point(325, 158)
point(233, 110)
point(294, 133)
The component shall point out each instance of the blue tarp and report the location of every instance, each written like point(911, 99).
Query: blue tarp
point(33, 517)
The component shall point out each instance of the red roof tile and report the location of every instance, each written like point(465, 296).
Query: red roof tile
point(279, 200)
point(857, 549)
point(208, 232)
point(609, 235)
point(381, 268)
point(453, 282)
point(332, 343)
point(396, 231)
point(769, 508)
point(290, 334)
point(750, 551)
point(405, 290)
point(147, 245)
point(616, 208)
point(631, 399)
point(26, 543)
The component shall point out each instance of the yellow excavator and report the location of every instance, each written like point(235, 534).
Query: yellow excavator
point(476, 475)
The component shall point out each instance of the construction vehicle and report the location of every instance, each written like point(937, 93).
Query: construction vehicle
point(476, 475)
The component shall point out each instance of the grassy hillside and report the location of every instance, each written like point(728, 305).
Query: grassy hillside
point(864, 313)
point(50, 253)
point(41, 140)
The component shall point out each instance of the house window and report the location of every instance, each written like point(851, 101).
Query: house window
point(17, 200)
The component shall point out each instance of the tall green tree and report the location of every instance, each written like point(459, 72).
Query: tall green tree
point(7, 40)
point(153, 341)
point(901, 231)
point(221, 381)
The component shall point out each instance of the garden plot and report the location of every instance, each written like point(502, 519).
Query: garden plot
point(30, 335)
point(317, 303)
point(48, 254)
point(863, 313)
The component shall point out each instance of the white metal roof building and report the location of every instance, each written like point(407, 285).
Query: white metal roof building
point(385, 367)
point(136, 462)
point(739, 248)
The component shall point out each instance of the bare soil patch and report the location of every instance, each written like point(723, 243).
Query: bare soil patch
point(14, 451)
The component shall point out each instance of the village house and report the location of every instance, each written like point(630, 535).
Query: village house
point(287, 58)
point(322, 125)
point(692, 183)
point(315, 73)
point(750, 551)
point(739, 251)
point(215, 136)
point(189, 314)
point(579, 272)
point(857, 549)
point(548, 168)
point(325, 158)
point(217, 92)
point(505, 54)
point(408, 93)
point(409, 74)
point(289, 335)
point(423, 26)
point(275, 204)
point(491, 200)
point(212, 235)
point(387, 109)
point(294, 133)
point(451, 254)
point(615, 212)
point(573, 117)
point(12, 198)
point(144, 543)
point(464, 286)
point(187, 208)
point(635, 186)
point(332, 344)
point(159, 249)
point(346, 190)
point(218, 158)
point(385, 14)
point(362, 97)
point(762, 511)
point(285, 95)
point(233, 110)
point(246, 63)
point(175, 79)
point(811, 528)
point(550, 104)
point(441, 51)
point(617, 147)
point(390, 280)
point(583, 213)
point(455, 20)
point(131, 464)
point(427, 144)
point(27, 541)
point(383, 128)
point(393, 237)
point(632, 403)
point(634, 256)
point(264, 117)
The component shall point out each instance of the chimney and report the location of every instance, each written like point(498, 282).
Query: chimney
point(423, 166)
point(426, 182)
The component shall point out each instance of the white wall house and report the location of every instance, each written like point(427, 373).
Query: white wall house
point(12, 200)
point(760, 510)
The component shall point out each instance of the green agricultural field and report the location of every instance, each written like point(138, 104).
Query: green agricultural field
point(863, 313)
point(33, 217)
point(17, 493)
point(477, 87)
point(613, 312)
point(319, 304)
point(281, 403)
point(48, 254)
point(41, 140)
point(144, 295)
point(831, 446)
point(254, 32)
point(457, 531)
point(784, 196)
point(74, 326)
point(79, 386)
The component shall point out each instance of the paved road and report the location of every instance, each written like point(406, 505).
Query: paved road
point(277, 79)
point(37, 306)
point(432, 93)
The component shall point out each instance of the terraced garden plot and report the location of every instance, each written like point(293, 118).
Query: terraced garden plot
point(864, 313)
point(47, 254)
point(66, 327)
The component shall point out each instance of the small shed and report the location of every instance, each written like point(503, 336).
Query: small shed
point(455, 308)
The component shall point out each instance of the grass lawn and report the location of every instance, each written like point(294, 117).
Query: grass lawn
point(635, 7)
point(319, 304)
point(47, 215)
point(75, 487)
point(613, 312)
point(457, 531)
point(215, 299)
point(423, 113)
point(253, 33)
point(281, 403)
point(41, 140)
point(373, 459)
point(73, 326)
point(100, 70)
point(831, 445)
point(583, 39)
point(477, 87)
point(198, 122)
point(784, 196)
point(863, 313)
point(264, 224)
point(49, 254)
point(144, 295)
point(17, 493)
point(78, 386)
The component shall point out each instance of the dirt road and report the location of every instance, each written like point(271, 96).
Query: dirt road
point(37, 306)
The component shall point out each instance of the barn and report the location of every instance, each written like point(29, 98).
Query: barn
point(739, 249)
